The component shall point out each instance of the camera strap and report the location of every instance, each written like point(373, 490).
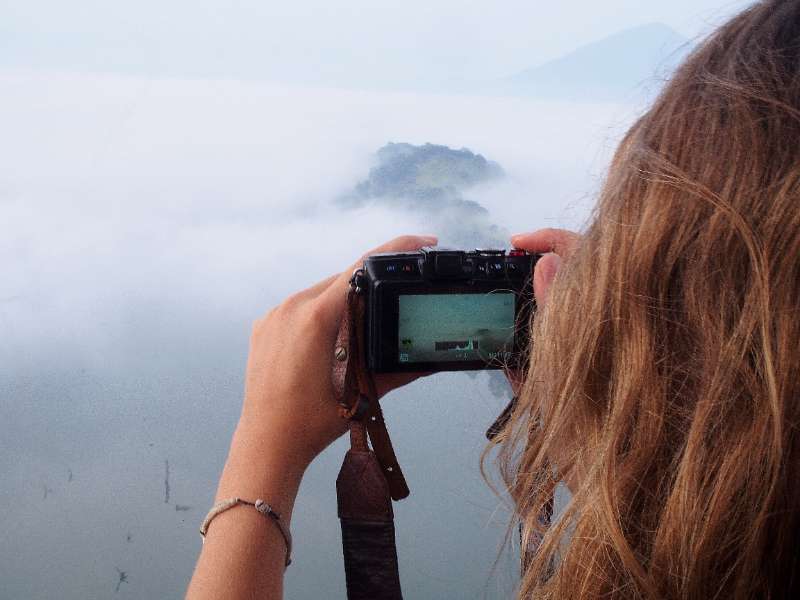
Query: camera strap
point(355, 390)
point(370, 476)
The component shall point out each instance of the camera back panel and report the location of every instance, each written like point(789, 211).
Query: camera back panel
point(447, 310)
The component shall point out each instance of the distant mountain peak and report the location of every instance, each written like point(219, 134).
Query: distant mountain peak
point(430, 180)
point(608, 68)
point(426, 173)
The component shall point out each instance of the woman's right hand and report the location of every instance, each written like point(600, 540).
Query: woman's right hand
point(556, 245)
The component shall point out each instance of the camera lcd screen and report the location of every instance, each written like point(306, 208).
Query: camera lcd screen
point(455, 327)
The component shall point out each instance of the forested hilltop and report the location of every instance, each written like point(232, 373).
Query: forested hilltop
point(433, 180)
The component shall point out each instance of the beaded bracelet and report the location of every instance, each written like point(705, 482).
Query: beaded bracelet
point(262, 507)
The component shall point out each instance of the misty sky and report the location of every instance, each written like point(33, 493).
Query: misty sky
point(412, 44)
point(168, 172)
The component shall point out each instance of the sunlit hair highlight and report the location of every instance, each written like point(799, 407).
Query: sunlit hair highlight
point(664, 382)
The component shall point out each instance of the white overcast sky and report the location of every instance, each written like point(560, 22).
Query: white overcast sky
point(341, 42)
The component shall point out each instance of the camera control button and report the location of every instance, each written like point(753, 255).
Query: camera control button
point(400, 269)
point(495, 268)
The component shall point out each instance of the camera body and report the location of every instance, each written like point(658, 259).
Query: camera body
point(447, 310)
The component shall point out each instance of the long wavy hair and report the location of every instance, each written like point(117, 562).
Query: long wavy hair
point(664, 377)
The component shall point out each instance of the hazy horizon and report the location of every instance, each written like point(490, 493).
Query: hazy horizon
point(353, 44)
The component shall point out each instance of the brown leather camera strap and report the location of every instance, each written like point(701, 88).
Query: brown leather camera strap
point(355, 391)
point(369, 478)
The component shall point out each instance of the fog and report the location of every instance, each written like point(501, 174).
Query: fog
point(144, 224)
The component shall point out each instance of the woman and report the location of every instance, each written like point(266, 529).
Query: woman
point(664, 382)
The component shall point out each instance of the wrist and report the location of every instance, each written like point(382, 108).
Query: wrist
point(259, 466)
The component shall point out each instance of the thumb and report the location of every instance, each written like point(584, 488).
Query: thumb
point(543, 275)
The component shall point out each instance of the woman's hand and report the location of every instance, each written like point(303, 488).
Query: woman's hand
point(557, 245)
point(289, 394)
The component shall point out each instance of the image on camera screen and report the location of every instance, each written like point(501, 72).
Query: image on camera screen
point(455, 327)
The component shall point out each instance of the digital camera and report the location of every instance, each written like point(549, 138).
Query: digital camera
point(447, 310)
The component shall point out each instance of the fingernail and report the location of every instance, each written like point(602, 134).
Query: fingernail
point(432, 239)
